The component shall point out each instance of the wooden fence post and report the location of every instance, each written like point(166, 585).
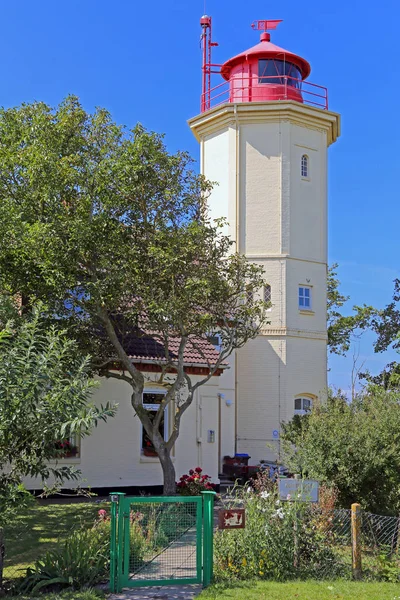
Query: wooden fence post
point(356, 540)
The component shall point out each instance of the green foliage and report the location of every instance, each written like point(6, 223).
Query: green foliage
point(82, 561)
point(342, 328)
point(353, 445)
point(280, 541)
point(388, 568)
point(44, 396)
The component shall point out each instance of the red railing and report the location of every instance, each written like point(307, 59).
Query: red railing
point(273, 87)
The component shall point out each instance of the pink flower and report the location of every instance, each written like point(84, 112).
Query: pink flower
point(102, 514)
point(198, 470)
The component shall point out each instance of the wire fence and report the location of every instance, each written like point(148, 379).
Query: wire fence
point(379, 545)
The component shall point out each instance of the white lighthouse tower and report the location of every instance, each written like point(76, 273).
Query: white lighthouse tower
point(264, 133)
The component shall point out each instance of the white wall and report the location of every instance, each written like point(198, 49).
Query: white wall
point(111, 455)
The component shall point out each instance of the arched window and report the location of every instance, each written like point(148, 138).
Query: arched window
point(267, 293)
point(302, 405)
point(304, 166)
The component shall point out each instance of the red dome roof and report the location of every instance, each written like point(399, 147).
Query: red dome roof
point(265, 49)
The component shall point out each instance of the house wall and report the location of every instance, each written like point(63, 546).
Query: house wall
point(111, 456)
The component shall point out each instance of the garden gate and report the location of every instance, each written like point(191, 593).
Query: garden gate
point(161, 540)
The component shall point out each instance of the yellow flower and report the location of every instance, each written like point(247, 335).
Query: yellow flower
point(244, 562)
point(263, 552)
point(260, 573)
point(261, 563)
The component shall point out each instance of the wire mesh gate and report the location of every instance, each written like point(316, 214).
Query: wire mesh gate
point(161, 540)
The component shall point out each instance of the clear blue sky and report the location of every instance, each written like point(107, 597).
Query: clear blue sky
point(141, 60)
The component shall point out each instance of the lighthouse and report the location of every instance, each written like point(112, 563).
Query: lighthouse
point(264, 130)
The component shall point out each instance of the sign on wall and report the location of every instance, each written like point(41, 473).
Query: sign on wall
point(231, 519)
point(304, 490)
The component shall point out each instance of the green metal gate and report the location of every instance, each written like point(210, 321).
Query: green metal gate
point(161, 540)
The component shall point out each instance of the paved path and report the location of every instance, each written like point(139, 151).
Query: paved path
point(168, 592)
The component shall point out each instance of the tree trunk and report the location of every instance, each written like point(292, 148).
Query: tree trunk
point(168, 473)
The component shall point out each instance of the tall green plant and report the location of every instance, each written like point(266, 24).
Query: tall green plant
point(45, 389)
point(352, 445)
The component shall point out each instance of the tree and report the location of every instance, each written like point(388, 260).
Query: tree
point(113, 233)
point(45, 390)
point(386, 324)
point(341, 329)
point(353, 445)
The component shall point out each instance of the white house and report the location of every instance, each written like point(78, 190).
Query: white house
point(263, 134)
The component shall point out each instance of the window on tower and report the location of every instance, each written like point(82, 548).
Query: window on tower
point(267, 294)
point(302, 405)
point(278, 72)
point(304, 297)
point(304, 166)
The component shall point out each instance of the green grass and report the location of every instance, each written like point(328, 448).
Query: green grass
point(304, 590)
point(40, 529)
point(67, 595)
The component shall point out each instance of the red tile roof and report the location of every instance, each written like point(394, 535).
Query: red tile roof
point(198, 352)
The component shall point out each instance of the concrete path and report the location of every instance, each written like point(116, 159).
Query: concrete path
point(167, 592)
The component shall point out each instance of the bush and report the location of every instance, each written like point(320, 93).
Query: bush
point(280, 541)
point(82, 561)
point(194, 483)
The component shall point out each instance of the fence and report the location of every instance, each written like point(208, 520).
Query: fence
point(366, 545)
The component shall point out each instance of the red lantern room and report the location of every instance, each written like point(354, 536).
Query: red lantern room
point(264, 73)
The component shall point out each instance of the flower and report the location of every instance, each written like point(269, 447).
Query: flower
point(265, 495)
point(198, 469)
point(288, 497)
point(249, 490)
point(191, 472)
point(102, 514)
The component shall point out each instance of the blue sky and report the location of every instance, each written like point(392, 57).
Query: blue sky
point(141, 60)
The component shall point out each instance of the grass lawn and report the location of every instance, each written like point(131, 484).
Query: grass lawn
point(85, 595)
point(31, 534)
point(304, 590)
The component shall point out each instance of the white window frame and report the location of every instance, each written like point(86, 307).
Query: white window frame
point(267, 294)
point(305, 166)
point(303, 296)
point(306, 405)
point(154, 408)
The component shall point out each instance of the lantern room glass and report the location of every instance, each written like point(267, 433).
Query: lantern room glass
point(279, 72)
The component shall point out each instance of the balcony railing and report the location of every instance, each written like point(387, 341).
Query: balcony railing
point(268, 88)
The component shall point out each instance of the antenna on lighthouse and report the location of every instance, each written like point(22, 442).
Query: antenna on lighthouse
point(206, 45)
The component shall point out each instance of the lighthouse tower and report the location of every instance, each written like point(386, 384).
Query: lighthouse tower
point(264, 131)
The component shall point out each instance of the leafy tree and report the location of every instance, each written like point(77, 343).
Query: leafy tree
point(113, 233)
point(386, 324)
point(355, 446)
point(45, 390)
point(341, 329)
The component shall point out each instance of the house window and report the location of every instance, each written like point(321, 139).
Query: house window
point(267, 293)
point(68, 448)
point(151, 402)
point(304, 166)
point(304, 297)
point(302, 406)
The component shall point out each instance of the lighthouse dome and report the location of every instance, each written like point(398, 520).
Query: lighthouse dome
point(265, 72)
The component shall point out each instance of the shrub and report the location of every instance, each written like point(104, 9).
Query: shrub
point(82, 561)
point(194, 483)
point(280, 541)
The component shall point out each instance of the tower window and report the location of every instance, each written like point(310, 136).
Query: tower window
point(267, 293)
point(304, 297)
point(304, 166)
point(278, 72)
point(302, 406)
point(151, 402)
